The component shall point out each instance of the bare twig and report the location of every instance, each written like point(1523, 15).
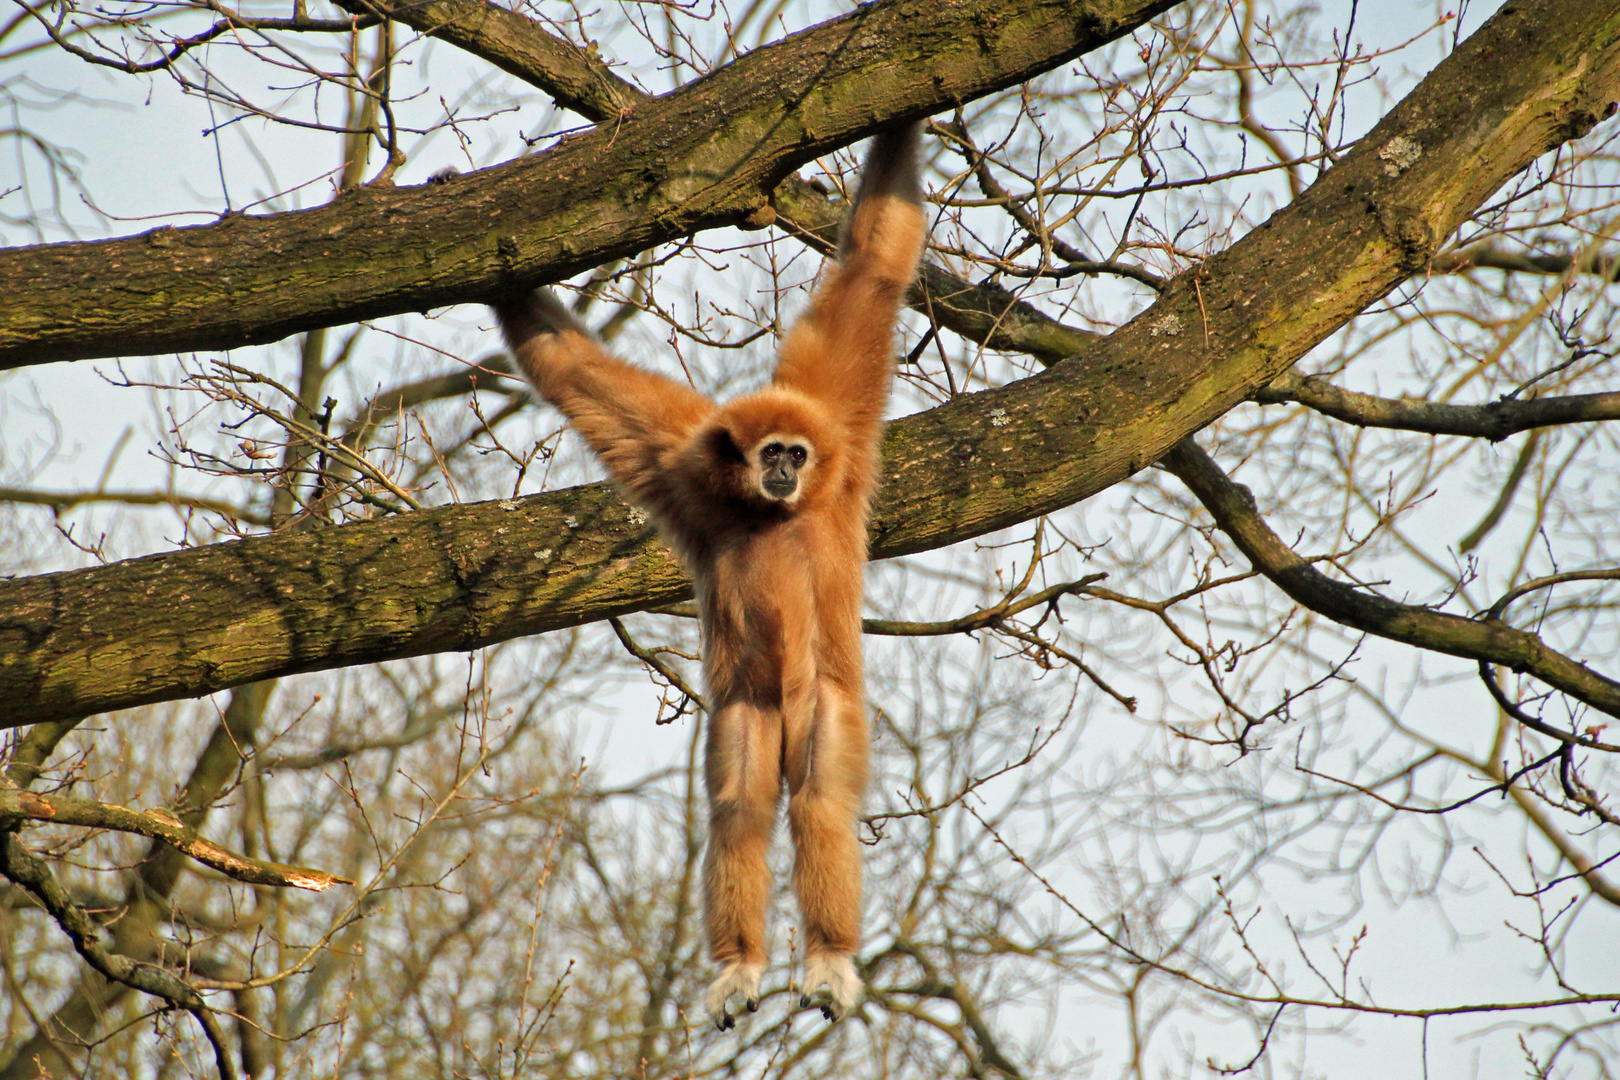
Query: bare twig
point(1486, 639)
point(30, 872)
point(16, 804)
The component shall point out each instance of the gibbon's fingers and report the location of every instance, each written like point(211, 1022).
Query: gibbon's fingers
point(539, 311)
point(836, 972)
point(737, 978)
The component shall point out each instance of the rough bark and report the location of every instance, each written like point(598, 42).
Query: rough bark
point(196, 621)
point(703, 156)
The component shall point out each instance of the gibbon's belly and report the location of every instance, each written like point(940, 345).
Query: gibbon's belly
point(758, 610)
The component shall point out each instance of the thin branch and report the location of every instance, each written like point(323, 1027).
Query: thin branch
point(16, 804)
point(64, 500)
point(180, 46)
point(1494, 421)
point(1490, 256)
point(1504, 498)
point(651, 658)
point(1076, 261)
point(31, 872)
point(982, 619)
point(1338, 1004)
point(1486, 639)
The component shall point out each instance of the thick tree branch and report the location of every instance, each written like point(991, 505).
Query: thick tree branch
point(707, 155)
point(196, 621)
point(1494, 421)
point(1486, 639)
point(987, 313)
point(519, 46)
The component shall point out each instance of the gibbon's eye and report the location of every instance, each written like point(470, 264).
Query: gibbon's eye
point(798, 455)
point(771, 452)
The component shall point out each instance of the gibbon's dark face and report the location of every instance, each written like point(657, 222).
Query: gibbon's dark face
point(775, 450)
point(778, 460)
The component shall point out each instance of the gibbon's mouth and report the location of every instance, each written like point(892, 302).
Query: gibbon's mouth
point(780, 486)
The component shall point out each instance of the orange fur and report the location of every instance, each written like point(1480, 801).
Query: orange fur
point(778, 579)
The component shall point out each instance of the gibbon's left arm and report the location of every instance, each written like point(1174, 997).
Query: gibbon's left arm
point(840, 351)
point(632, 418)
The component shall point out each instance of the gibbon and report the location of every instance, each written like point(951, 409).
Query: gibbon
point(765, 500)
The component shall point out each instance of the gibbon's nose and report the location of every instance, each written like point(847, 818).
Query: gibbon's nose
point(781, 482)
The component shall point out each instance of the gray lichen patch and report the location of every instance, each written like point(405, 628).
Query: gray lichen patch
point(1400, 154)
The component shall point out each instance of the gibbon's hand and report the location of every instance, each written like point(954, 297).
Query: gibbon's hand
point(539, 311)
point(877, 227)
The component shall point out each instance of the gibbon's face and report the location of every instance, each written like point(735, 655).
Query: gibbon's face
point(775, 449)
point(777, 462)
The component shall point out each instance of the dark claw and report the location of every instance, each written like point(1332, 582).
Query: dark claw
point(827, 1011)
point(753, 1004)
point(726, 1022)
point(804, 1001)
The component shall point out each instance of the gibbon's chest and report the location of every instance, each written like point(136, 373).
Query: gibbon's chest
point(757, 589)
point(755, 573)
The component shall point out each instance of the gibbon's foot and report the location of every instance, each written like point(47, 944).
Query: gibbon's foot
point(737, 978)
point(836, 972)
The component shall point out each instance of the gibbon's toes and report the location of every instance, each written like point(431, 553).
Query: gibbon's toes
point(836, 973)
point(736, 978)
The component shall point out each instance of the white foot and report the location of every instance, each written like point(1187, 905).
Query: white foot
point(836, 972)
point(737, 978)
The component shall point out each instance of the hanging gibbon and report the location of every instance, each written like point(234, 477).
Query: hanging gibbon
point(765, 500)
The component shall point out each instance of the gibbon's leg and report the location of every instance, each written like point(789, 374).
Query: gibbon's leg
point(826, 772)
point(743, 772)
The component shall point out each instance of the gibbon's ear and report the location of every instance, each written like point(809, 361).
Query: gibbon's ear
point(724, 448)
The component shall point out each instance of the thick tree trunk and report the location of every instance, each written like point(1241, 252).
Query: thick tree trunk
point(196, 621)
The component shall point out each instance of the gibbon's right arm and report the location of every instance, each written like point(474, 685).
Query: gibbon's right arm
point(630, 417)
point(840, 351)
